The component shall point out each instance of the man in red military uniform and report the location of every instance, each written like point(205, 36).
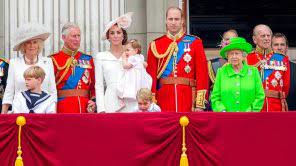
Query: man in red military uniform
point(279, 44)
point(74, 72)
point(274, 69)
point(178, 67)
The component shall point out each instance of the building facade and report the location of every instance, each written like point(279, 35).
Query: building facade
point(90, 15)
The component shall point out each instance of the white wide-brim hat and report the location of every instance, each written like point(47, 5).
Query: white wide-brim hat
point(124, 21)
point(29, 31)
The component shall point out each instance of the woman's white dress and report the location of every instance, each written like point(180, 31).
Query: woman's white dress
point(108, 72)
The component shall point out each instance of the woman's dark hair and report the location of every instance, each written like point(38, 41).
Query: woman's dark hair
point(125, 38)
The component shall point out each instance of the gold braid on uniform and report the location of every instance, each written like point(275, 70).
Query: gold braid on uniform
point(66, 66)
point(211, 72)
point(172, 49)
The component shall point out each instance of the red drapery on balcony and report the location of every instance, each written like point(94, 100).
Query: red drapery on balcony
point(151, 139)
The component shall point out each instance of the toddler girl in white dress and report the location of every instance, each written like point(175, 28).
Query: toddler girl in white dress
point(134, 76)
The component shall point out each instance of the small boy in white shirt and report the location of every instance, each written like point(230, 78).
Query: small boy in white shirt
point(145, 103)
point(34, 100)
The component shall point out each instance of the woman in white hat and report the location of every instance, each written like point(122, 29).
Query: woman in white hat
point(29, 40)
point(108, 67)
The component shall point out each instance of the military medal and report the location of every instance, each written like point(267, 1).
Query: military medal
point(278, 75)
point(187, 58)
point(187, 47)
point(274, 82)
point(187, 69)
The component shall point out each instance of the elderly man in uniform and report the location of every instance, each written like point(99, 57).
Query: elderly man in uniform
point(274, 69)
point(74, 72)
point(279, 44)
point(178, 67)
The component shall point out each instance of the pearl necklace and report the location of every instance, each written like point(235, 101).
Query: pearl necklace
point(30, 62)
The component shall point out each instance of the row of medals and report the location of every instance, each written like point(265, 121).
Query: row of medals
point(83, 64)
point(187, 57)
point(275, 65)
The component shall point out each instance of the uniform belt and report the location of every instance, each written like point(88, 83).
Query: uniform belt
point(73, 92)
point(278, 95)
point(275, 94)
point(177, 80)
point(181, 81)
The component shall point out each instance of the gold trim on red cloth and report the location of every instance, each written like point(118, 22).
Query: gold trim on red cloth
point(68, 51)
point(175, 37)
point(263, 51)
point(211, 72)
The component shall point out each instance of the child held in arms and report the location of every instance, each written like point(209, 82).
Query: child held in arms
point(134, 76)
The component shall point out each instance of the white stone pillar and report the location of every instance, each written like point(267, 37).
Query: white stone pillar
point(90, 15)
point(1, 28)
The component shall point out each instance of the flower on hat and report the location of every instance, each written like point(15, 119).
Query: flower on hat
point(123, 22)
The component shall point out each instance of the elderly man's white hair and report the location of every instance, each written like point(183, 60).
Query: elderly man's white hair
point(67, 26)
point(259, 27)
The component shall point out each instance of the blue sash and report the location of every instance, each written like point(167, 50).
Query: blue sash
point(169, 68)
point(74, 79)
point(274, 57)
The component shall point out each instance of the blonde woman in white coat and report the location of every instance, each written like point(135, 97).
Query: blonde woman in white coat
point(29, 40)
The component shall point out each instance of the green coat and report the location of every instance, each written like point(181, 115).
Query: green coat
point(237, 92)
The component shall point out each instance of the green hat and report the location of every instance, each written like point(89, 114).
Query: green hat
point(236, 43)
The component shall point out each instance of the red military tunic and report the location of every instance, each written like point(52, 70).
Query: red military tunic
point(75, 80)
point(179, 72)
point(275, 75)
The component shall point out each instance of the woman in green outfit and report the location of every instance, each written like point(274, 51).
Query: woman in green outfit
point(238, 87)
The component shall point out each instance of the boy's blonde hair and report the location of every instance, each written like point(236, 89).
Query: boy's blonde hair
point(135, 45)
point(144, 94)
point(34, 72)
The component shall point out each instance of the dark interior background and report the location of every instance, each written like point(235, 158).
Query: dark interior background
point(210, 18)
